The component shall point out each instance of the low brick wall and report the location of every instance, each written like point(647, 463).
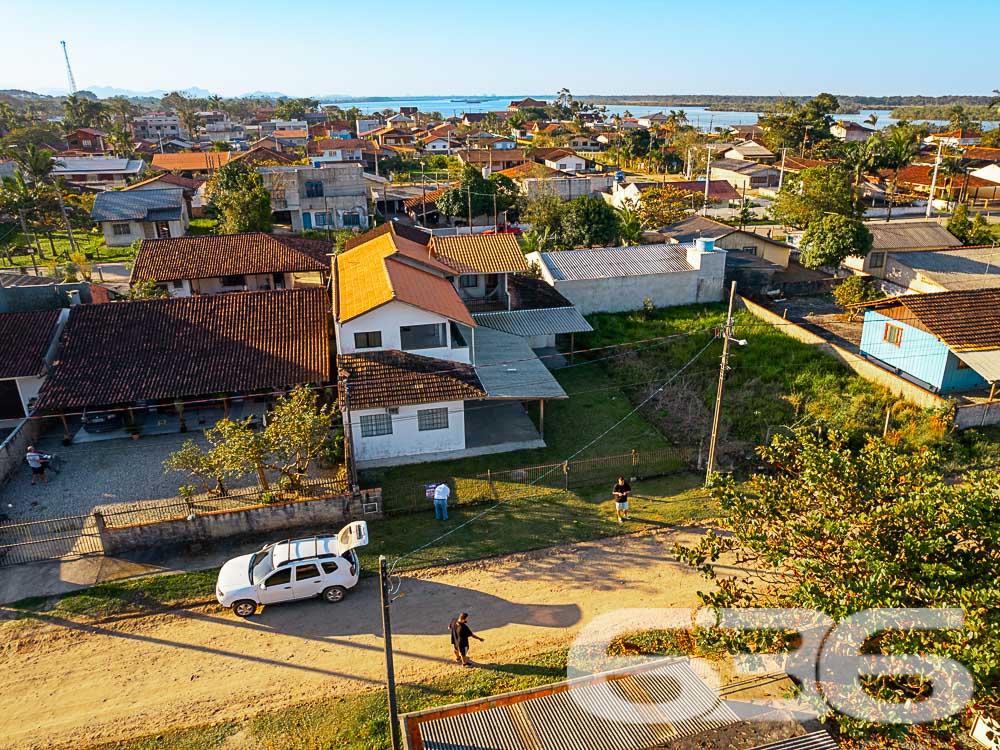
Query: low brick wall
point(334, 511)
point(977, 415)
point(14, 448)
point(863, 367)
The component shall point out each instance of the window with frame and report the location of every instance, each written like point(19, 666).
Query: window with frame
point(892, 334)
point(468, 281)
point(119, 230)
point(427, 336)
point(368, 340)
point(751, 249)
point(329, 567)
point(321, 218)
point(279, 578)
point(876, 260)
point(432, 419)
point(237, 280)
point(314, 189)
point(178, 283)
point(373, 425)
point(351, 219)
point(306, 572)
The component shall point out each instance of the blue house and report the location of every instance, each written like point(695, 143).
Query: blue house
point(946, 342)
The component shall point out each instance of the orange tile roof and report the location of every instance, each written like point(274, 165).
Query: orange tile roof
point(390, 267)
point(529, 169)
point(480, 253)
point(195, 161)
point(279, 134)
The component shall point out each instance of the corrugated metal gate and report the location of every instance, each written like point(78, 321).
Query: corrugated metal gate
point(49, 539)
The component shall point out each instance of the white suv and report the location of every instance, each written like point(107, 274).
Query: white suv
point(293, 569)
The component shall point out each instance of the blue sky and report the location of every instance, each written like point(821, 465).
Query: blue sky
point(394, 48)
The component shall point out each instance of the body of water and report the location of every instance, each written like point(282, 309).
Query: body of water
point(700, 117)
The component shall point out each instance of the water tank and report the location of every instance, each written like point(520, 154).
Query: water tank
point(705, 245)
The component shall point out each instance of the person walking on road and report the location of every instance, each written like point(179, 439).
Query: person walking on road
point(441, 494)
point(37, 461)
point(460, 635)
point(621, 491)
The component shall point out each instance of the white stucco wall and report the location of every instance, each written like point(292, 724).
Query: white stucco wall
point(387, 319)
point(406, 438)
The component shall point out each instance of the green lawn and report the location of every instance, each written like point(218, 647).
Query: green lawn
point(88, 242)
point(554, 517)
point(203, 226)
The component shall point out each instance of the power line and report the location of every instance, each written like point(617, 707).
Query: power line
point(570, 458)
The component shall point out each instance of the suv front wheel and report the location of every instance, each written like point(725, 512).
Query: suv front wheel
point(244, 608)
point(334, 594)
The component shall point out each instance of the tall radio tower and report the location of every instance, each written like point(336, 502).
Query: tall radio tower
point(69, 70)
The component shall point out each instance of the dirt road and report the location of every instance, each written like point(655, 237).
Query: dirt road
point(77, 684)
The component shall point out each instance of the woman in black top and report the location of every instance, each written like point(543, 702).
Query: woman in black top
point(460, 635)
point(621, 492)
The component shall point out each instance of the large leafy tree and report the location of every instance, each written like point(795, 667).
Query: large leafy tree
point(791, 125)
point(661, 206)
point(970, 231)
point(472, 188)
point(830, 240)
point(589, 221)
point(862, 158)
point(544, 211)
point(813, 193)
point(237, 194)
point(847, 528)
point(295, 109)
point(81, 112)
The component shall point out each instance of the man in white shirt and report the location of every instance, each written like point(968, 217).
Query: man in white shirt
point(441, 494)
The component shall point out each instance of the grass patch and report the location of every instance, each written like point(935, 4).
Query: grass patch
point(775, 383)
point(594, 404)
point(203, 226)
point(87, 241)
point(562, 517)
point(360, 721)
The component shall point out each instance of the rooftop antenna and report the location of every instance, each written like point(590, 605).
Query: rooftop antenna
point(69, 70)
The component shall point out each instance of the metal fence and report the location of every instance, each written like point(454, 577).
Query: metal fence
point(52, 538)
point(543, 479)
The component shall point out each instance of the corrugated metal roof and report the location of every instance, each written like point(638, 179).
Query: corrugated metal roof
point(508, 368)
point(910, 235)
point(985, 363)
point(953, 270)
point(141, 205)
point(561, 721)
point(819, 740)
point(94, 165)
point(553, 320)
point(614, 262)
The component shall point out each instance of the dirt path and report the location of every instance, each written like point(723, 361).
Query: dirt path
point(78, 684)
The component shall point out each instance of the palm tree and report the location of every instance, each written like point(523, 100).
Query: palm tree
point(120, 141)
point(36, 163)
point(629, 224)
point(872, 119)
point(862, 157)
point(18, 198)
point(898, 152)
point(8, 118)
point(215, 102)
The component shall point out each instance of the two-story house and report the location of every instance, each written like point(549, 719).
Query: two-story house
point(331, 196)
point(97, 172)
point(335, 150)
point(422, 375)
point(219, 264)
point(157, 126)
point(87, 140)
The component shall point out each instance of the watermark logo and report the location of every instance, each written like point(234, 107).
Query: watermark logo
point(828, 664)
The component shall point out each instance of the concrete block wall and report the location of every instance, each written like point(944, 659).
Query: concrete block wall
point(333, 511)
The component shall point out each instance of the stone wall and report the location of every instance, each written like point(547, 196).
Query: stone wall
point(334, 512)
point(14, 448)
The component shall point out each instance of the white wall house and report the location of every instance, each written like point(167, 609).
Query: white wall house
point(331, 196)
point(129, 215)
point(404, 327)
point(619, 279)
point(566, 162)
point(383, 434)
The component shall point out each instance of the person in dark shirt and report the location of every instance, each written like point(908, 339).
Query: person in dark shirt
point(460, 635)
point(621, 491)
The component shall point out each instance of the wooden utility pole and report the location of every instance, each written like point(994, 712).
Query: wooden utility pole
point(69, 229)
point(390, 673)
point(727, 333)
point(468, 195)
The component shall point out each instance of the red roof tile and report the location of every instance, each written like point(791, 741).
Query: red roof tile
point(395, 378)
point(24, 340)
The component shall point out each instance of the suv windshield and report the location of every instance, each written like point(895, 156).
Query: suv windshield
point(260, 565)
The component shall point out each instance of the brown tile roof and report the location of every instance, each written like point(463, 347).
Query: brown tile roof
point(480, 253)
point(492, 155)
point(966, 320)
point(981, 153)
point(222, 255)
point(388, 268)
point(188, 183)
point(391, 227)
point(718, 190)
point(795, 164)
point(195, 161)
point(550, 154)
point(529, 169)
point(922, 174)
point(395, 378)
point(527, 102)
point(279, 134)
point(411, 204)
point(24, 339)
point(262, 154)
point(123, 352)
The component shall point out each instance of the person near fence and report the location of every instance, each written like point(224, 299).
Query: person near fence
point(37, 461)
point(460, 635)
point(621, 491)
point(441, 494)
